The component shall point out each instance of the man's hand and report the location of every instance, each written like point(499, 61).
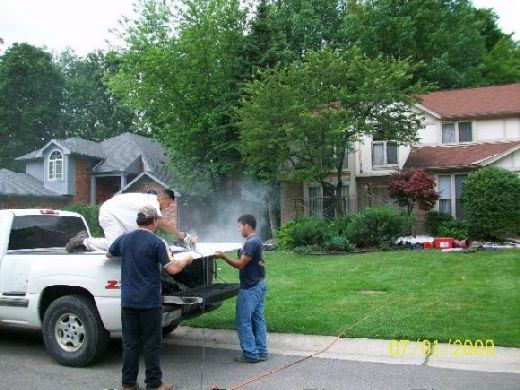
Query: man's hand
point(219, 255)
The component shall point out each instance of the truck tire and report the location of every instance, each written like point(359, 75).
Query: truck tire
point(73, 332)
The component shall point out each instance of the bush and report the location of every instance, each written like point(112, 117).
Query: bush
point(491, 202)
point(378, 226)
point(90, 213)
point(283, 236)
point(434, 220)
point(454, 228)
point(338, 243)
point(310, 231)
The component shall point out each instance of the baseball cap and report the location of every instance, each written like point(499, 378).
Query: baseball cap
point(149, 212)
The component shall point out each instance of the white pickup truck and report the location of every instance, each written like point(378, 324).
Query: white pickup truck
point(74, 298)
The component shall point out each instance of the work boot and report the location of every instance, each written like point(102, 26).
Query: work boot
point(165, 386)
point(134, 387)
point(76, 242)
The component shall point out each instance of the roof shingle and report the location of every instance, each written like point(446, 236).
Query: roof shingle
point(22, 184)
point(494, 101)
point(456, 156)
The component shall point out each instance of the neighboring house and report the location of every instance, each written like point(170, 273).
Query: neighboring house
point(463, 130)
point(76, 170)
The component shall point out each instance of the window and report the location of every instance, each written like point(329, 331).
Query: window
point(450, 187)
point(454, 132)
point(384, 153)
point(315, 201)
point(43, 231)
point(56, 166)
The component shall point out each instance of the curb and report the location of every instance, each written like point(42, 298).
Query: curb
point(363, 350)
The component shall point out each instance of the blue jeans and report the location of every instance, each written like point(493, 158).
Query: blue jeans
point(250, 321)
point(141, 328)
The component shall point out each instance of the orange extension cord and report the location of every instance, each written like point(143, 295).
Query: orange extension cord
point(268, 373)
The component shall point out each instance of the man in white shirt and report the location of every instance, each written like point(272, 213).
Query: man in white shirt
point(117, 217)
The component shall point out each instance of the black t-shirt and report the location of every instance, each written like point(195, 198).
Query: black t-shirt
point(254, 271)
point(143, 254)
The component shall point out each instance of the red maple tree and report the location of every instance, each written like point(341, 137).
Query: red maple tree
point(413, 187)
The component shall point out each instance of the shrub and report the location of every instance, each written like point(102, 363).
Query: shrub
point(434, 219)
point(90, 213)
point(338, 243)
point(310, 231)
point(378, 226)
point(283, 236)
point(491, 202)
point(453, 228)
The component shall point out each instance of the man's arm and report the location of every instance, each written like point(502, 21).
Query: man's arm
point(235, 263)
point(170, 228)
point(176, 266)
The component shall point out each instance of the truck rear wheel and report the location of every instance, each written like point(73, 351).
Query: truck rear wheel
point(73, 332)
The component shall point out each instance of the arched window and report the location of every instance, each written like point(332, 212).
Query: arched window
point(56, 166)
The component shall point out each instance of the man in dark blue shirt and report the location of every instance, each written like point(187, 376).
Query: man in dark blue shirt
point(143, 255)
point(250, 320)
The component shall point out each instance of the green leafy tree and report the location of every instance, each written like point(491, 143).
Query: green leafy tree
point(297, 121)
point(31, 88)
point(491, 203)
point(183, 73)
point(501, 65)
point(90, 110)
point(446, 37)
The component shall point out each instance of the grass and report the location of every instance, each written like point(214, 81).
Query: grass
point(427, 295)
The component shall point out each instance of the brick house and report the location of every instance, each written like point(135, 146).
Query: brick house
point(463, 130)
point(76, 170)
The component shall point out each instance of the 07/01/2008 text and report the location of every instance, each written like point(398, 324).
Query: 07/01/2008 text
point(455, 348)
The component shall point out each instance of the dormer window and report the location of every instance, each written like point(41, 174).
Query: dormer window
point(456, 132)
point(56, 166)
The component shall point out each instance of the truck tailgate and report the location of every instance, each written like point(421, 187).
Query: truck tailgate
point(212, 294)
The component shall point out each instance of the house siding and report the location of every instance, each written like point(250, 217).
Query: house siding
point(81, 180)
point(7, 202)
point(291, 206)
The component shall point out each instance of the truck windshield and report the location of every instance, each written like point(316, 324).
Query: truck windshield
point(43, 231)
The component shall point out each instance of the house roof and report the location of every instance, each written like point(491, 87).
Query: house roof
point(125, 149)
point(74, 146)
point(22, 184)
point(146, 176)
point(482, 102)
point(458, 156)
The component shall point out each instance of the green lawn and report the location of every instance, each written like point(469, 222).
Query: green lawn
point(427, 294)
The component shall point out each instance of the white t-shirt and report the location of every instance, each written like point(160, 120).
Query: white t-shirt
point(124, 207)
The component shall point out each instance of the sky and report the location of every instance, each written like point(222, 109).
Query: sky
point(83, 25)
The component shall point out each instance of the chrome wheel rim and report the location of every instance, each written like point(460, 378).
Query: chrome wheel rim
point(69, 332)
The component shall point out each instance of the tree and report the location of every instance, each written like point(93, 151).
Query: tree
point(413, 187)
point(446, 37)
point(183, 73)
point(90, 110)
point(491, 203)
point(297, 121)
point(501, 65)
point(30, 101)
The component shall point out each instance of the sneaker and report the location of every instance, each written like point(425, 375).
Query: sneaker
point(76, 242)
point(244, 359)
point(263, 358)
point(165, 386)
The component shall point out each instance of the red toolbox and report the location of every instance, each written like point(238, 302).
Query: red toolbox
point(443, 242)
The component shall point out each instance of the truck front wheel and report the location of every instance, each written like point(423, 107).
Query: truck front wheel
point(73, 332)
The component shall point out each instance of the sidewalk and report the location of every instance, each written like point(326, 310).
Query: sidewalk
point(363, 350)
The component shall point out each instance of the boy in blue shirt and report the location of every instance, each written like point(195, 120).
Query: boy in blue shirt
point(250, 320)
